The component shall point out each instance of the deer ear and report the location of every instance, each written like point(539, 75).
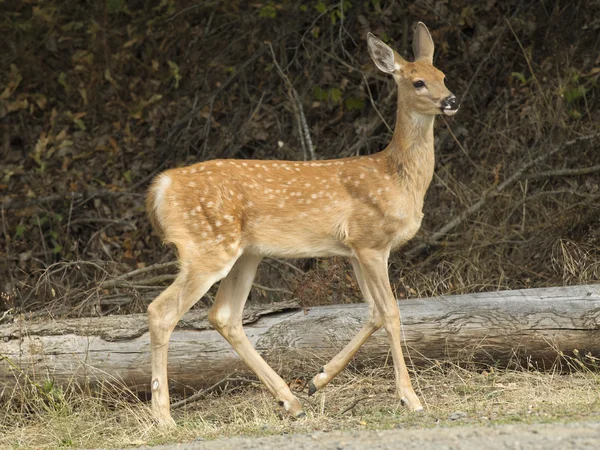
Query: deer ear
point(423, 44)
point(382, 55)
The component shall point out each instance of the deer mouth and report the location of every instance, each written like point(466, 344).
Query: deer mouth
point(449, 111)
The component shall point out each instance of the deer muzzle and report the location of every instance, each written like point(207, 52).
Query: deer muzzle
point(449, 105)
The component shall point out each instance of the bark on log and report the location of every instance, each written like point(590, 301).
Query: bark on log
point(532, 326)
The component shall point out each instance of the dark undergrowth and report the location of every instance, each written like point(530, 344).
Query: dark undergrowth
point(97, 97)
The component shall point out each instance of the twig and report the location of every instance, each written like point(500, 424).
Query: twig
point(190, 115)
point(150, 283)
point(15, 204)
point(537, 82)
point(145, 282)
point(353, 405)
point(374, 105)
point(304, 131)
point(565, 172)
point(462, 148)
point(480, 66)
point(268, 289)
point(491, 193)
point(357, 69)
point(151, 268)
point(290, 265)
point(184, 10)
point(199, 395)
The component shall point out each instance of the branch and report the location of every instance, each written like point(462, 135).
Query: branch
point(194, 111)
point(16, 204)
point(565, 172)
point(122, 280)
point(301, 118)
point(491, 193)
point(201, 394)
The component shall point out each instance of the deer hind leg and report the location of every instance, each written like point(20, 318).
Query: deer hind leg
point(163, 314)
point(341, 360)
point(374, 268)
point(226, 317)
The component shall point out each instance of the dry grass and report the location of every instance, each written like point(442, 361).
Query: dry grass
point(451, 395)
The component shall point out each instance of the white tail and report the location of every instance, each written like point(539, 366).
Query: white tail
point(225, 215)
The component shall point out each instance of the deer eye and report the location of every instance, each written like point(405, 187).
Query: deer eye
point(419, 84)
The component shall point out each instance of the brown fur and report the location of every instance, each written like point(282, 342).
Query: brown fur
point(225, 215)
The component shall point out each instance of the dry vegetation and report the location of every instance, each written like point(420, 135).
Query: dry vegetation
point(452, 395)
point(97, 97)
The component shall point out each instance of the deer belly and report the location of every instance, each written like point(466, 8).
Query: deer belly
point(295, 242)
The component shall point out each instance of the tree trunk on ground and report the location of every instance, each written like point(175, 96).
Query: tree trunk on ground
point(531, 327)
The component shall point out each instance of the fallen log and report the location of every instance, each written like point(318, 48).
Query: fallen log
point(533, 327)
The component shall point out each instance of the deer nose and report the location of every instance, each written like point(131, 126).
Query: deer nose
point(449, 105)
point(450, 102)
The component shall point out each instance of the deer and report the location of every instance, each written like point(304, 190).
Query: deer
point(223, 216)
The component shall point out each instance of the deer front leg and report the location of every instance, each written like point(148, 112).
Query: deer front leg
point(374, 265)
point(341, 360)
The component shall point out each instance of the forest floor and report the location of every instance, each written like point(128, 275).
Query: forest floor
point(458, 402)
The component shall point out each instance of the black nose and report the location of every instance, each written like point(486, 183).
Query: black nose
point(450, 102)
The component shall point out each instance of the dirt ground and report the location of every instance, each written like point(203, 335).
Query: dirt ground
point(579, 435)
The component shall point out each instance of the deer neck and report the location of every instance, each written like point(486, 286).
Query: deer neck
point(410, 152)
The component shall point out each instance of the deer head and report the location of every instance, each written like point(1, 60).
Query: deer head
point(420, 85)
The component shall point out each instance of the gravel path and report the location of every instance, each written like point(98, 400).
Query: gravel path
point(581, 435)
